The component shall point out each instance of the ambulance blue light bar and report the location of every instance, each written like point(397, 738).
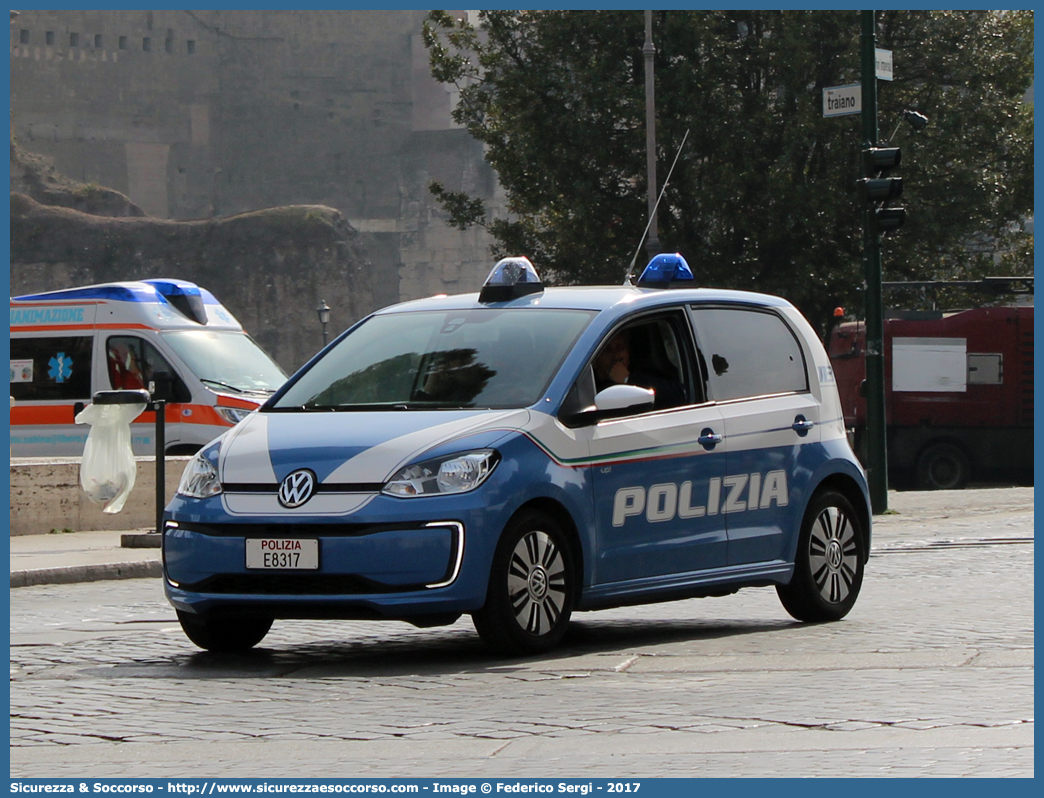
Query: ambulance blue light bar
point(510, 279)
point(667, 270)
point(186, 297)
point(169, 286)
point(113, 291)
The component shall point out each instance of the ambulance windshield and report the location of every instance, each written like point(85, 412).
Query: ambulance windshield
point(482, 358)
point(226, 361)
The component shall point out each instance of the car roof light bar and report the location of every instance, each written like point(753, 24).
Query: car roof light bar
point(510, 279)
point(667, 270)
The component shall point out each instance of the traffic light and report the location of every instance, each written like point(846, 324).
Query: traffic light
point(877, 188)
point(878, 160)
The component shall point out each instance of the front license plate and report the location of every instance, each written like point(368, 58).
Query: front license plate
point(282, 554)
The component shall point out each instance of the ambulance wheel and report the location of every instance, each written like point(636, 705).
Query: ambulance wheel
point(224, 634)
point(942, 466)
point(183, 449)
point(828, 567)
point(532, 587)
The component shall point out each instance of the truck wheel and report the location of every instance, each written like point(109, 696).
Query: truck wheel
point(532, 587)
point(828, 566)
point(224, 634)
point(942, 466)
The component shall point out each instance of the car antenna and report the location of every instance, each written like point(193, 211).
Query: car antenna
point(630, 269)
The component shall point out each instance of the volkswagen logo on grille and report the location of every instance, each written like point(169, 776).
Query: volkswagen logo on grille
point(297, 488)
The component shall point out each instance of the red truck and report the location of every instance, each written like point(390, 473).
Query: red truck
point(958, 393)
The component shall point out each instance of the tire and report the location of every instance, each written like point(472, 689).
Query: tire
point(942, 466)
point(532, 587)
point(224, 634)
point(183, 449)
point(828, 566)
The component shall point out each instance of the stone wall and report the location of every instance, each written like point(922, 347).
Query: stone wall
point(206, 114)
point(46, 495)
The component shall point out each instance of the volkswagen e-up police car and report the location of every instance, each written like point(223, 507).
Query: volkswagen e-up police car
point(524, 453)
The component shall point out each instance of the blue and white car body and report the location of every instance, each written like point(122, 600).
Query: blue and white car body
point(320, 511)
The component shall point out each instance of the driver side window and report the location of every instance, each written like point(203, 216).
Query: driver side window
point(653, 352)
point(132, 362)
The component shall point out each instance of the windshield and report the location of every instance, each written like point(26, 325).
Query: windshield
point(227, 361)
point(497, 358)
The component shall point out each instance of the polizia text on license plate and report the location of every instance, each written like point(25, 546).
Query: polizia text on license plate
point(282, 554)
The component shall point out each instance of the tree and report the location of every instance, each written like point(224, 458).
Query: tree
point(763, 196)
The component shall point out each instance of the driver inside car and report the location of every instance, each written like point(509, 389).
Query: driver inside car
point(613, 366)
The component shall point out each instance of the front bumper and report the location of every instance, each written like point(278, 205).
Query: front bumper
point(372, 568)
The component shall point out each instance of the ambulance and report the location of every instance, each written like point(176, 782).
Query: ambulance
point(524, 453)
point(66, 345)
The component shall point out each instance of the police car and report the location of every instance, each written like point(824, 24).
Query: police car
point(526, 453)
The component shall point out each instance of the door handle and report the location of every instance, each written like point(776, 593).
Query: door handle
point(802, 425)
point(709, 438)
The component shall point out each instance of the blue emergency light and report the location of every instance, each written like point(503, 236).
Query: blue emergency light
point(118, 293)
point(186, 297)
point(510, 279)
point(667, 270)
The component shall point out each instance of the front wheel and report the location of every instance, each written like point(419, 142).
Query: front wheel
point(532, 587)
point(828, 567)
point(224, 634)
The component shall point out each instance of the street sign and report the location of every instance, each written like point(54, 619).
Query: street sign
point(883, 64)
point(843, 100)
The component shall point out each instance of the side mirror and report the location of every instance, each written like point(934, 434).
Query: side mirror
point(168, 387)
point(124, 397)
point(616, 398)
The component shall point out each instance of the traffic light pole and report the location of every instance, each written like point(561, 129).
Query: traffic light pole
point(876, 437)
point(652, 244)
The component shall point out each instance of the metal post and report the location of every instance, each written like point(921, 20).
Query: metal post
point(652, 244)
point(876, 434)
point(161, 390)
point(161, 461)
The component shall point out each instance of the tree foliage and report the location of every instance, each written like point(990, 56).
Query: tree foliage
point(763, 196)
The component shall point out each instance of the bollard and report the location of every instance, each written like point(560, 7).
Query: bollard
point(161, 386)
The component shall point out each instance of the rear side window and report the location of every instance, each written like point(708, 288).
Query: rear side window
point(51, 369)
point(746, 352)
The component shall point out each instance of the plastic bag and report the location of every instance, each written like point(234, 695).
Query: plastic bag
point(108, 470)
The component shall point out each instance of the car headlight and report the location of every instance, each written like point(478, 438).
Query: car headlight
point(233, 415)
point(457, 473)
point(199, 479)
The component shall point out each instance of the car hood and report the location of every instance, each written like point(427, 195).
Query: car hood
point(361, 448)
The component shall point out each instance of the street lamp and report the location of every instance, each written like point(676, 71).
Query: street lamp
point(324, 316)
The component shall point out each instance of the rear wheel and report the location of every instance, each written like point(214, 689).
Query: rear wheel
point(532, 587)
point(942, 466)
point(224, 634)
point(828, 567)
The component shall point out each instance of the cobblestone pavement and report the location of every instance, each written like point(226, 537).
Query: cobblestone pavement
point(930, 675)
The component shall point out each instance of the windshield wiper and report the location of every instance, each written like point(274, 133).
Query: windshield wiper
point(351, 407)
point(220, 384)
point(265, 391)
point(376, 407)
